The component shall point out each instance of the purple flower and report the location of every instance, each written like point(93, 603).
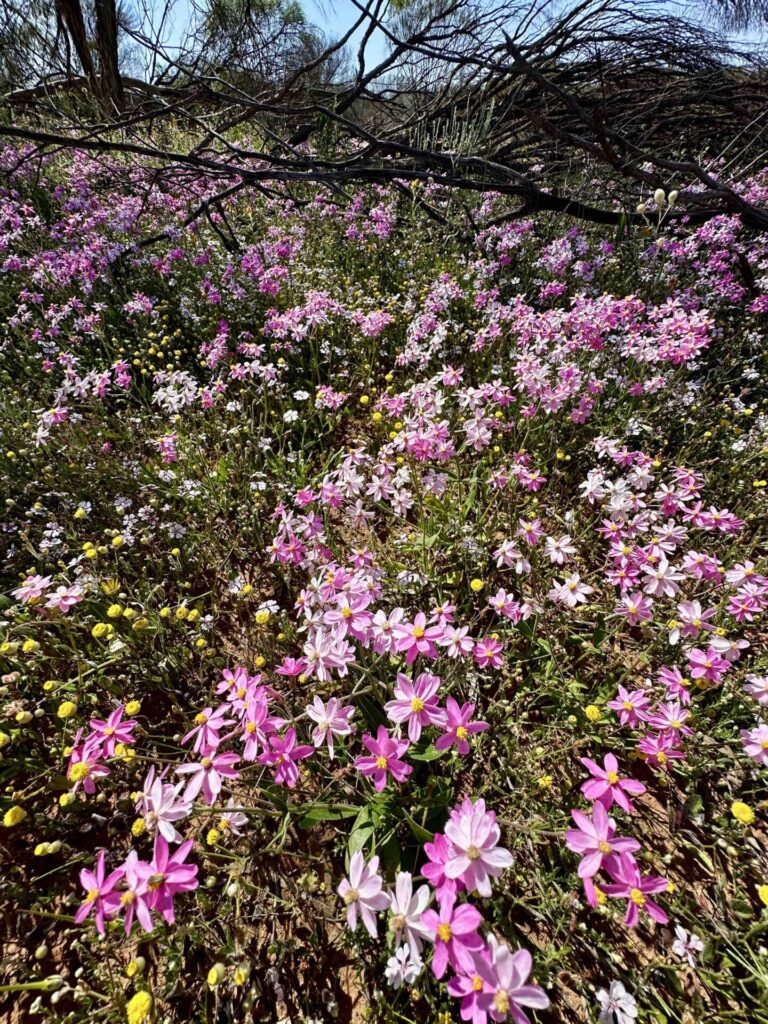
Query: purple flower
point(454, 933)
point(362, 892)
point(459, 726)
point(385, 758)
point(607, 786)
point(476, 856)
point(416, 703)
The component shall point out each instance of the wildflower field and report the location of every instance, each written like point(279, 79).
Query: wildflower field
point(382, 615)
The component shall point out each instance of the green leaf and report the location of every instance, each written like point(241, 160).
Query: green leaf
point(326, 812)
point(421, 833)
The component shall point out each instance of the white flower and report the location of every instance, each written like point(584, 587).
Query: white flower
point(686, 946)
point(290, 416)
point(616, 1006)
point(401, 969)
point(407, 908)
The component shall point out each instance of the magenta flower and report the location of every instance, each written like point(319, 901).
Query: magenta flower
point(454, 932)
point(487, 652)
point(333, 719)
point(476, 856)
point(635, 608)
point(135, 900)
point(506, 974)
point(207, 775)
point(630, 885)
point(385, 758)
point(670, 718)
point(283, 754)
point(658, 749)
point(362, 892)
point(706, 665)
point(416, 703)
point(439, 852)
point(470, 989)
point(100, 895)
point(630, 707)
point(208, 725)
point(84, 767)
point(458, 726)
point(607, 786)
point(170, 875)
point(258, 725)
point(595, 839)
point(417, 637)
point(113, 731)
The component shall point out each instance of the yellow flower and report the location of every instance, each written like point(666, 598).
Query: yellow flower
point(67, 708)
point(30, 646)
point(114, 611)
point(66, 799)
point(102, 629)
point(175, 552)
point(242, 974)
point(247, 589)
point(5, 739)
point(140, 624)
point(80, 513)
point(133, 707)
point(742, 812)
point(110, 587)
point(135, 967)
point(376, 417)
point(118, 541)
point(139, 827)
point(364, 399)
point(592, 711)
point(14, 816)
point(138, 1008)
point(164, 613)
point(545, 782)
point(762, 892)
point(216, 975)
point(262, 617)
point(182, 612)
point(194, 615)
point(476, 585)
point(23, 717)
point(41, 849)
point(213, 836)
point(260, 661)
point(129, 613)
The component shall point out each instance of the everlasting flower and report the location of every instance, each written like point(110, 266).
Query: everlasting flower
point(506, 975)
point(333, 719)
point(283, 753)
point(113, 731)
point(100, 898)
point(635, 888)
point(169, 876)
point(595, 839)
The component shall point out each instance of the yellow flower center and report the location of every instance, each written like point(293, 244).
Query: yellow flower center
point(473, 853)
point(241, 692)
point(156, 881)
point(109, 731)
point(501, 1001)
point(461, 732)
point(92, 894)
point(604, 847)
point(206, 762)
point(346, 613)
point(397, 923)
point(381, 761)
point(127, 898)
point(675, 723)
point(351, 896)
point(417, 705)
point(418, 632)
point(612, 778)
point(250, 727)
point(201, 718)
point(444, 932)
point(477, 983)
point(79, 771)
point(637, 897)
point(627, 705)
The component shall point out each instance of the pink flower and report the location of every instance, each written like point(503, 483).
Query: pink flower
point(283, 754)
point(170, 875)
point(630, 885)
point(454, 933)
point(258, 725)
point(635, 608)
point(487, 652)
point(417, 638)
point(207, 775)
point(506, 974)
point(630, 707)
point(362, 892)
point(607, 786)
point(756, 743)
point(416, 703)
point(160, 806)
point(135, 899)
point(208, 725)
point(439, 852)
point(113, 731)
point(32, 589)
point(658, 749)
point(706, 665)
point(100, 896)
point(84, 766)
point(595, 838)
point(385, 758)
point(571, 592)
point(670, 718)
point(476, 856)
point(457, 641)
point(332, 720)
point(471, 988)
point(64, 598)
point(458, 726)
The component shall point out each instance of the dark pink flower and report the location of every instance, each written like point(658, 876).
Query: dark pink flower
point(607, 786)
